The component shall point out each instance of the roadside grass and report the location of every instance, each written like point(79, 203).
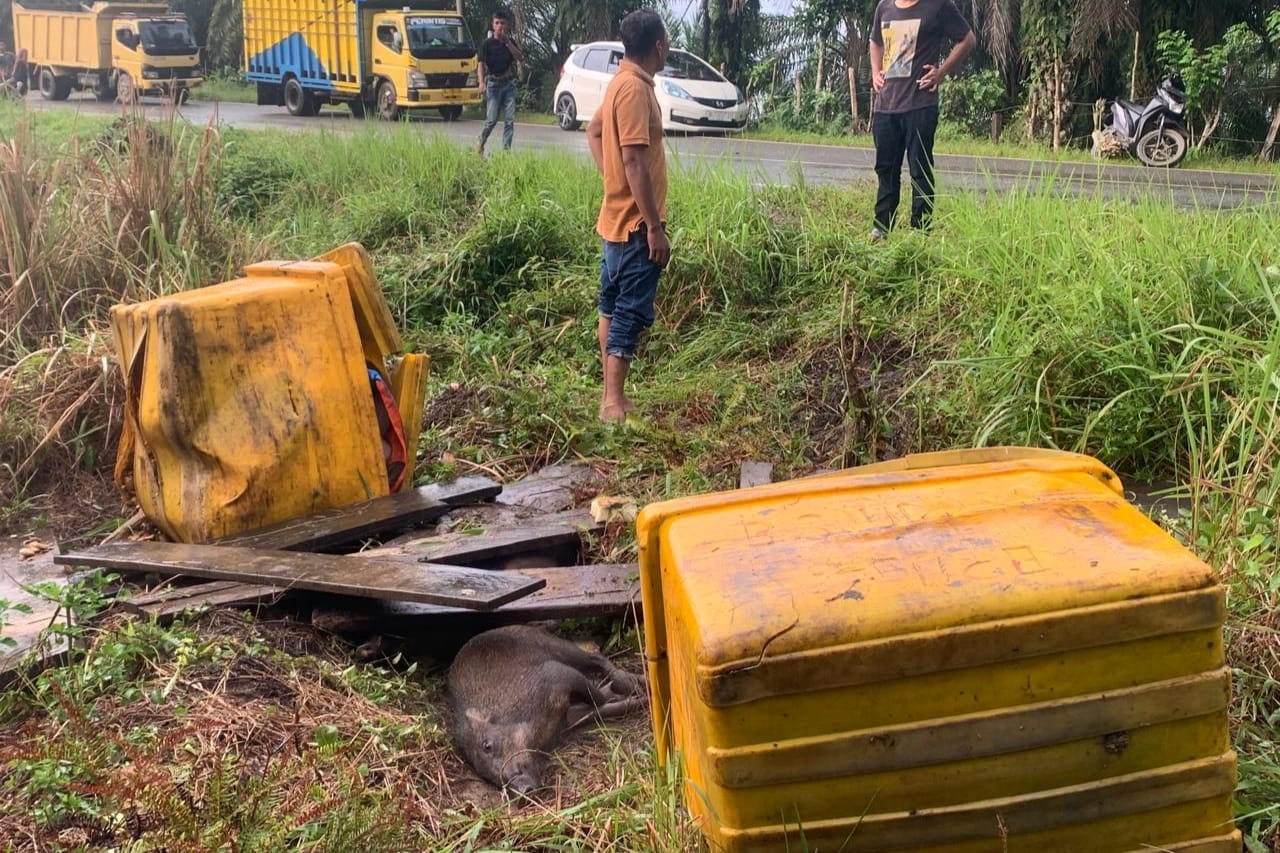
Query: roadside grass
point(1139, 333)
point(226, 86)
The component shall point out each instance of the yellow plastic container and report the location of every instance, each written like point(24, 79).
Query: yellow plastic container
point(249, 403)
point(972, 651)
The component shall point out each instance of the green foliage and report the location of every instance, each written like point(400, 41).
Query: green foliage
point(253, 177)
point(968, 101)
point(1231, 71)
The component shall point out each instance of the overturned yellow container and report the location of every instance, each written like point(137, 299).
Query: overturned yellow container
point(249, 402)
point(971, 651)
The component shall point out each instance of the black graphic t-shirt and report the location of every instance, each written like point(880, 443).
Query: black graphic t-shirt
point(496, 58)
point(913, 38)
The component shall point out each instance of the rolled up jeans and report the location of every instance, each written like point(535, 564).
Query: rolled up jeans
point(500, 95)
point(628, 287)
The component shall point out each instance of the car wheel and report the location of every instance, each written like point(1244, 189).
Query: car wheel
point(567, 112)
point(387, 109)
point(451, 113)
point(357, 108)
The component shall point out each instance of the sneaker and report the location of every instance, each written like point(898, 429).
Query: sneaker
point(877, 235)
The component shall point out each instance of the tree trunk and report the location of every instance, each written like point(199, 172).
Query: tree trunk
point(706, 30)
point(1057, 103)
point(822, 58)
point(853, 95)
point(851, 32)
point(1272, 132)
point(1133, 69)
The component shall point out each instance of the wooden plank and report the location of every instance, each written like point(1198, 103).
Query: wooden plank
point(607, 589)
point(553, 488)
point(463, 490)
point(356, 521)
point(430, 583)
point(755, 474)
point(165, 603)
point(548, 533)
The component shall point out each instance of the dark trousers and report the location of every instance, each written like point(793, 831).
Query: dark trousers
point(910, 134)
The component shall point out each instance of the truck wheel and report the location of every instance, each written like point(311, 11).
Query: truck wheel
point(126, 92)
point(452, 113)
point(387, 109)
point(297, 100)
point(52, 87)
point(181, 96)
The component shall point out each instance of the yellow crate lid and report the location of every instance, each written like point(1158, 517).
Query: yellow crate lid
point(928, 543)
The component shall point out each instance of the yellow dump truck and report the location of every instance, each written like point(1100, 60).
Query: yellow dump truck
point(117, 50)
point(369, 54)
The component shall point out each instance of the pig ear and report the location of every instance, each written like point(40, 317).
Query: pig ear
point(475, 715)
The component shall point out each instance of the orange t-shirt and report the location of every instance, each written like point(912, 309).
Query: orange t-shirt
point(631, 116)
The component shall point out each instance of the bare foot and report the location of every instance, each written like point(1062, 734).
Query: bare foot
point(627, 406)
point(613, 413)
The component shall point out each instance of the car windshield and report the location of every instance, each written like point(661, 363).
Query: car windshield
point(686, 66)
point(166, 38)
point(438, 38)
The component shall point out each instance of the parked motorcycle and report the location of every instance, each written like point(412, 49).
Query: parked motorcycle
point(1155, 131)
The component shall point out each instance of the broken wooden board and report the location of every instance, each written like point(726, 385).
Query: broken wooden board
point(350, 523)
point(607, 589)
point(429, 583)
point(167, 602)
point(539, 534)
point(553, 488)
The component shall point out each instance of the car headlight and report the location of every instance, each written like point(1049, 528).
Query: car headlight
point(473, 80)
point(1176, 109)
point(149, 72)
point(417, 80)
point(675, 91)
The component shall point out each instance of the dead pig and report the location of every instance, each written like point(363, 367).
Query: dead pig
point(514, 691)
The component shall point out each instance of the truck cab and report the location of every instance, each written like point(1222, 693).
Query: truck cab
point(116, 48)
point(369, 54)
point(153, 55)
point(425, 59)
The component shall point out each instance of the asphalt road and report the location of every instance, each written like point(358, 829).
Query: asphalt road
point(780, 162)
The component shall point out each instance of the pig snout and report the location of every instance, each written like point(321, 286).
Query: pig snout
point(522, 775)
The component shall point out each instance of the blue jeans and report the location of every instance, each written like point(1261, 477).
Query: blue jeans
point(628, 286)
point(500, 96)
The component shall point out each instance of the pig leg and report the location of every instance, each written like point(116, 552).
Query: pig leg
point(620, 683)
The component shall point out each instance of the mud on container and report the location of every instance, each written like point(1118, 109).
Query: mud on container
point(970, 651)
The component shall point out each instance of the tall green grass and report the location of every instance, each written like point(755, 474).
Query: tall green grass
point(1139, 333)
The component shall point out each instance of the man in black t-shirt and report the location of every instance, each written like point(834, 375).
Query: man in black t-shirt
point(906, 40)
point(496, 72)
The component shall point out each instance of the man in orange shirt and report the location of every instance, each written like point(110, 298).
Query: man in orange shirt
point(625, 137)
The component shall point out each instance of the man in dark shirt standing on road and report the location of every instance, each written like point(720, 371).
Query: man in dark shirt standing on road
point(496, 72)
point(906, 40)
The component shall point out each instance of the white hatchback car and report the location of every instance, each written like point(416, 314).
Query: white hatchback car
point(692, 94)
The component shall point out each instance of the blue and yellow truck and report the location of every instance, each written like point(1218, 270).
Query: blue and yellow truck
point(369, 54)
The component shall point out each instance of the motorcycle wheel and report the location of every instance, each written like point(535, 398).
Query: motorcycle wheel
point(1162, 148)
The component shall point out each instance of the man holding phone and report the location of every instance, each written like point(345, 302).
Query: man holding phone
point(496, 73)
